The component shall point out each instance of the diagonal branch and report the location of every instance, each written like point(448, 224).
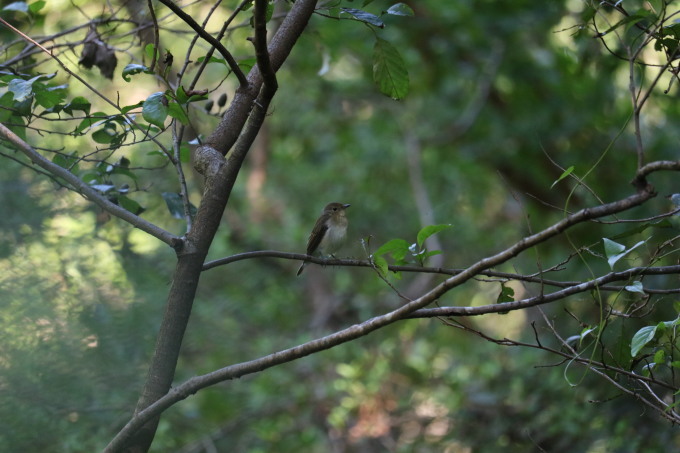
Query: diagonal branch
point(195, 384)
point(87, 191)
point(233, 65)
point(546, 298)
point(260, 42)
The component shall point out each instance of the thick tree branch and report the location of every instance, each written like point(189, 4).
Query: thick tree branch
point(227, 132)
point(81, 187)
point(250, 104)
point(358, 330)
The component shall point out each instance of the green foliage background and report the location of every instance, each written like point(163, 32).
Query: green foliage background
point(497, 90)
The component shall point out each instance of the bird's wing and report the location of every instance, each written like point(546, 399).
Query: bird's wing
point(316, 236)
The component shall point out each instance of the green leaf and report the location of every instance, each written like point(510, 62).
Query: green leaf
point(128, 108)
point(150, 51)
point(587, 331)
point(389, 70)
point(398, 248)
point(641, 338)
point(635, 287)
point(615, 251)
point(130, 204)
point(90, 121)
point(155, 109)
point(212, 59)
point(391, 246)
point(400, 9)
point(507, 294)
point(564, 174)
point(176, 111)
point(67, 161)
point(184, 153)
point(21, 88)
point(429, 231)
point(380, 264)
point(247, 64)
point(175, 205)
point(659, 356)
point(133, 69)
point(363, 16)
point(181, 95)
point(78, 104)
point(49, 97)
point(36, 6)
point(107, 134)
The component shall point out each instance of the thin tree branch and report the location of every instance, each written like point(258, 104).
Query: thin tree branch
point(87, 191)
point(358, 330)
point(544, 299)
point(233, 65)
point(501, 276)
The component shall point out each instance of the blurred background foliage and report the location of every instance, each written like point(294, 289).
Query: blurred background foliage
point(498, 90)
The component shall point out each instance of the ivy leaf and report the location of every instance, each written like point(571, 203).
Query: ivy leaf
point(155, 109)
point(363, 16)
point(641, 338)
point(429, 231)
point(389, 70)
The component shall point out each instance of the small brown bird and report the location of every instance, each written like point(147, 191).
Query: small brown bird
point(329, 232)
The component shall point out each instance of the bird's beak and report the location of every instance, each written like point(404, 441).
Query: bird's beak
point(346, 206)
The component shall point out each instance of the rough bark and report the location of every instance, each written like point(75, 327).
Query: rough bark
point(236, 132)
